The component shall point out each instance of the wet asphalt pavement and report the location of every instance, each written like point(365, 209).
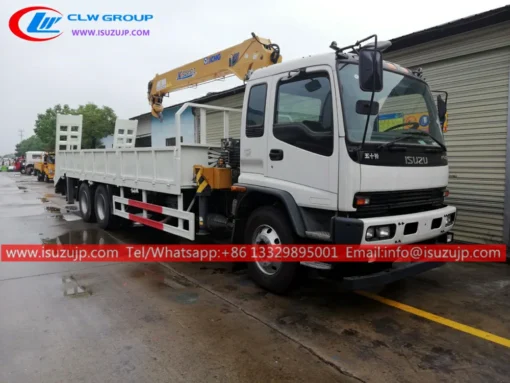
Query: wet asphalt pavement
point(204, 323)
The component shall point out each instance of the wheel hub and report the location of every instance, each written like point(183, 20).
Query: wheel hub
point(266, 235)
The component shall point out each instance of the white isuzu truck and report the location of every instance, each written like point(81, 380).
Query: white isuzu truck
point(338, 148)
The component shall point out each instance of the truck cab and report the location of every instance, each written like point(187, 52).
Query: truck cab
point(45, 169)
point(346, 165)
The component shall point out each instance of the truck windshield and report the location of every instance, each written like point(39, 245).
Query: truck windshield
point(405, 104)
point(51, 159)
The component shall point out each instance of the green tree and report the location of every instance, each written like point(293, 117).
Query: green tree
point(32, 143)
point(97, 123)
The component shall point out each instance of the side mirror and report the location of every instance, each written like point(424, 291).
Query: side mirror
point(370, 70)
point(441, 107)
point(442, 113)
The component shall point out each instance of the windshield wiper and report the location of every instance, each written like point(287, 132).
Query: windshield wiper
point(410, 134)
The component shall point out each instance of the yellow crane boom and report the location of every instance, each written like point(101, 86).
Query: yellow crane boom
point(239, 60)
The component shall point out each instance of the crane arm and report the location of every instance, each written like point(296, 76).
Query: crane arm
point(239, 60)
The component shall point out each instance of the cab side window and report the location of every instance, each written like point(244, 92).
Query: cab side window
point(256, 111)
point(304, 113)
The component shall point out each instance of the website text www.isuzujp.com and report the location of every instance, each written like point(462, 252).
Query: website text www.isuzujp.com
point(110, 32)
point(253, 253)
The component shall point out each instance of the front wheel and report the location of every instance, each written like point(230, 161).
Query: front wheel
point(270, 226)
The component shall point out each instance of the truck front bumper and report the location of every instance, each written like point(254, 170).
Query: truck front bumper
point(426, 227)
point(360, 278)
point(395, 273)
point(406, 228)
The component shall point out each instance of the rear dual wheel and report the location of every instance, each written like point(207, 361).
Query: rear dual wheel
point(86, 202)
point(96, 206)
point(104, 210)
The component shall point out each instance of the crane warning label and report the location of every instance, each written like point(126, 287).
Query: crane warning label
point(184, 74)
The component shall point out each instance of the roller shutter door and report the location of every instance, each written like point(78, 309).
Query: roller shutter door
point(477, 88)
point(478, 85)
point(215, 119)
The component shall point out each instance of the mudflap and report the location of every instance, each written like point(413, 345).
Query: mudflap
point(60, 187)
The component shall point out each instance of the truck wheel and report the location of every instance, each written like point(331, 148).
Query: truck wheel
point(40, 177)
point(46, 179)
point(103, 209)
point(86, 202)
point(268, 225)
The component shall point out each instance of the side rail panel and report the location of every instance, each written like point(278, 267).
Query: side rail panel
point(160, 225)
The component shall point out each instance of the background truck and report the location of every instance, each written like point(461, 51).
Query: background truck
point(335, 148)
point(45, 169)
point(30, 159)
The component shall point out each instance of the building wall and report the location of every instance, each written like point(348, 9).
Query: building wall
point(474, 69)
point(144, 125)
point(215, 119)
point(163, 130)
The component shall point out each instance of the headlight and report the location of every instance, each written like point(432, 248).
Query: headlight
point(378, 233)
point(383, 232)
point(449, 219)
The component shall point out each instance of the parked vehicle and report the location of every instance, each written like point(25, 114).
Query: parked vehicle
point(19, 165)
point(328, 153)
point(30, 159)
point(45, 169)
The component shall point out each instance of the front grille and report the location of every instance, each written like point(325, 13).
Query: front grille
point(400, 202)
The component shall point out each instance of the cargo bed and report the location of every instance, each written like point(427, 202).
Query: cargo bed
point(166, 170)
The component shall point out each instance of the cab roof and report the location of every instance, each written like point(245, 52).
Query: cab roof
point(321, 59)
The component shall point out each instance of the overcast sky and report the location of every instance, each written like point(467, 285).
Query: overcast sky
point(114, 71)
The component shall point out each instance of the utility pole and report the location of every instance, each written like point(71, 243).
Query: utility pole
point(20, 134)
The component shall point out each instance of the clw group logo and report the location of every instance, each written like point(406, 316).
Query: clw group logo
point(42, 23)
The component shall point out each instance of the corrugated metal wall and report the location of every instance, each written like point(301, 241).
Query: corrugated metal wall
point(215, 119)
point(474, 69)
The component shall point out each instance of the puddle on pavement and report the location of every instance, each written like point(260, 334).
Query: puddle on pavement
point(81, 237)
point(71, 217)
point(66, 213)
point(185, 298)
point(21, 187)
point(44, 199)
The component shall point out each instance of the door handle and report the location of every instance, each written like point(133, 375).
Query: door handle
point(276, 154)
